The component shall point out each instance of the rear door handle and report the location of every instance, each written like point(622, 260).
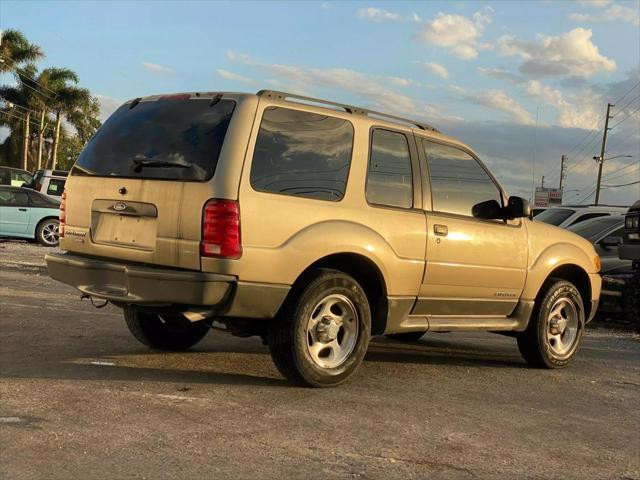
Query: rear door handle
point(22, 209)
point(440, 230)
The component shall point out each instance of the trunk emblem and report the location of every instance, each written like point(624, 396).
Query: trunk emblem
point(119, 206)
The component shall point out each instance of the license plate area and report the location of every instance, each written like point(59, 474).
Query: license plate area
point(130, 224)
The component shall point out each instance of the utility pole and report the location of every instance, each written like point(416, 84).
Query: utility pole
point(542, 181)
point(562, 170)
point(604, 145)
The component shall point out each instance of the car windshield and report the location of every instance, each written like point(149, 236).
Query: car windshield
point(593, 228)
point(176, 137)
point(554, 216)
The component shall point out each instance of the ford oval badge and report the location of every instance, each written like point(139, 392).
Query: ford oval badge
point(119, 206)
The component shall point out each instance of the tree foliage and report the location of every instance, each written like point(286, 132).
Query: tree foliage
point(47, 115)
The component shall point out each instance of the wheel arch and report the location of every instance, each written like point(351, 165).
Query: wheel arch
point(578, 277)
point(365, 271)
point(43, 219)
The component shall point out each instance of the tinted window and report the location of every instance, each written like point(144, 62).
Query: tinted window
point(5, 176)
point(167, 139)
point(11, 197)
point(389, 180)
point(554, 216)
point(55, 187)
point(39, 200)
point(594, 228)
point(303, 154)
point(588, 216)
point(458, 181)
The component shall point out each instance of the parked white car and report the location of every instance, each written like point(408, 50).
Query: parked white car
point(49, 182)
point(568, 215)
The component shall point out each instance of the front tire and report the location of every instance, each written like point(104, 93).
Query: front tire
point(166, 332)
point(322, 333)
point(48, 232)
point(555, 329)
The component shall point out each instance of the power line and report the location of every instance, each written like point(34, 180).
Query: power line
point(621, 169)
point(34, 123)
point(627, 93)
point(31, 122)
point(626, 117)
point(622, 184)
point(629, 103)
point(37, 91)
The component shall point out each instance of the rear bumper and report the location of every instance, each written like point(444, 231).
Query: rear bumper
point(132, 284)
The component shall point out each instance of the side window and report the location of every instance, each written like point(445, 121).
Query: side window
point(302, 154)
point(13, 198)
point(587, 216)
point(458, 181)
point(55, 187)
point(389, 179)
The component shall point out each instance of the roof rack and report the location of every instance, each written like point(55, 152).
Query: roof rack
point(347, 108)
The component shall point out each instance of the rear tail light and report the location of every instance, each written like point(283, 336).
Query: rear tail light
point(221, 229)
point(63, 213)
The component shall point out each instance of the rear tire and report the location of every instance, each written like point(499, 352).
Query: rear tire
point(322, 333)
point(48, 232)
point(555, 329)
point(407, 336)
point(167, 332)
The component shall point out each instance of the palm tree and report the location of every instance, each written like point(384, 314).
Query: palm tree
point(50, 81)
point(72, 102)
point(23, 94)
point(16, 50)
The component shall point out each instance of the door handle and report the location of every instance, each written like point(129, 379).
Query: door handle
point(22, 209)
point(440, 230)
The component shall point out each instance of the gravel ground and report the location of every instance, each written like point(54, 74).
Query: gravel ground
point(80, 398)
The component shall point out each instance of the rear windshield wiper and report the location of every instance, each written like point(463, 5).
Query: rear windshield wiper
point(140, 164)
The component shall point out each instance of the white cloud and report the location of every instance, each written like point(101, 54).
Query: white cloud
point(157, 69)
point(458, 34)
point(572, 53)
point(595, 3)
point(373, 91)
point(372, 14)
point(415, 18)
point(235, 77)
point(501, 74)
point(498, 100)
point(108, 105)
point(436, 69)
point(614, 13)
point(400, 81)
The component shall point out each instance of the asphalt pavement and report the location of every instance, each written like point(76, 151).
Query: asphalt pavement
point(80, 398)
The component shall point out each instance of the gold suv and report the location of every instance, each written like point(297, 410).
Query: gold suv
point(314, 225)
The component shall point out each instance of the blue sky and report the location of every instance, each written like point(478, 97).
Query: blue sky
point(481, 71)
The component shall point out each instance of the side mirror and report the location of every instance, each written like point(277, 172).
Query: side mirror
point(517, 207)
point(610, 241)
point(489, 210)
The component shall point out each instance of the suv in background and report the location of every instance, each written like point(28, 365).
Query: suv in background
point(314, 225)
point(49, 182)
point(14, 177)
point(623, 285)
point(568, 215)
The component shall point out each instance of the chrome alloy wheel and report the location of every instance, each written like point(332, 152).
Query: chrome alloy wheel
point(51, 233)
point(562, 326)
point(332, 331)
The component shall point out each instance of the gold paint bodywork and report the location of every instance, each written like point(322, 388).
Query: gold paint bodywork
point(481, 275)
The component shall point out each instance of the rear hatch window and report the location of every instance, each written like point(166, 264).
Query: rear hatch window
point(177, 137)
